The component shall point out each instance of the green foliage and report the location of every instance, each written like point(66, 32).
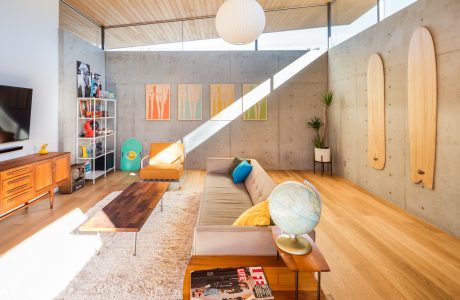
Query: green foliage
point(327, 98)
point(318, 142)
point(315, 123)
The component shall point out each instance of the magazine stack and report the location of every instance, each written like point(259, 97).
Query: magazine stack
point(244, 283)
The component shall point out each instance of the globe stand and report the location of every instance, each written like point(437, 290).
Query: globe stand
point(293, 244)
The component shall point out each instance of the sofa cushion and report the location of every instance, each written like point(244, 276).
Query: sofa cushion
point(241, 172)
point(235, 163)
point(158, 171)
point(223, 201)
point(259, 184)
point(258, 215)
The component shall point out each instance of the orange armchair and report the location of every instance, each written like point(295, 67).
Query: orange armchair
point(165, 162)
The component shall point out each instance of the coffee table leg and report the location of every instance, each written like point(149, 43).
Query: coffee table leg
point(135, 243)
point(99, 238)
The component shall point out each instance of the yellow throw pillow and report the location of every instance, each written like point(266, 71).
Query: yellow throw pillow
point(258, 215)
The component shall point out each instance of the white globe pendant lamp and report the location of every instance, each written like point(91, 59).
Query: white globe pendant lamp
point(240, 22)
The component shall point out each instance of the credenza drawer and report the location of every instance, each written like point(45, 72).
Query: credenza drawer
point(17, 199)
point(17, 171)
point(15, 185)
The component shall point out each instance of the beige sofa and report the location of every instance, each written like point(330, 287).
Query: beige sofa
point(222, 203)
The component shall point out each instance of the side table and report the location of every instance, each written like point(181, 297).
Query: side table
point(313, 262)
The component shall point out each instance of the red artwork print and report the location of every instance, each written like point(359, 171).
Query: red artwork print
point(157, 98)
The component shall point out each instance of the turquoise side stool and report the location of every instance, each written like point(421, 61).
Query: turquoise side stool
point(131, 155)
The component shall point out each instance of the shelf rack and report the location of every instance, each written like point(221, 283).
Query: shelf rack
point(109, 141)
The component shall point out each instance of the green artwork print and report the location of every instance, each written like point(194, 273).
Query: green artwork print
point(257, 112)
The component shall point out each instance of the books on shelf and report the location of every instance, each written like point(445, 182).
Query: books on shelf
point(243, 283)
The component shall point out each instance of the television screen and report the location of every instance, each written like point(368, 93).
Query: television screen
point(15, 109)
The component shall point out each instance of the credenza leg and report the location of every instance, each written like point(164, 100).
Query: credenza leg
point(51, 198)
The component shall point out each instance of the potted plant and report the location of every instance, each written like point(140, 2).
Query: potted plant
point(322, 151)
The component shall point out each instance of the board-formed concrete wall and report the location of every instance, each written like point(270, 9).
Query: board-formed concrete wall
point(281, 142)
point(71, 50)
point(348, 132)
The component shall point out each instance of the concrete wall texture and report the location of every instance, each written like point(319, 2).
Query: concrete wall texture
point(71, 50)
point(281, 142)
point(348, 132)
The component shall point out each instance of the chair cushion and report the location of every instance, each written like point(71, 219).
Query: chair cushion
point(166, 153)
point(223, 201)
point(162, 171)
point(241, 172)
point(258, 215)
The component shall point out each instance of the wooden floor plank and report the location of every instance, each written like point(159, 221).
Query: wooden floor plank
point(375, 249)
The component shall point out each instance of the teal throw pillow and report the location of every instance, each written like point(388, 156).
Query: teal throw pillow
point(241, 172)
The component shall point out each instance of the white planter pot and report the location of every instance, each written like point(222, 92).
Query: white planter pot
point(323, 155)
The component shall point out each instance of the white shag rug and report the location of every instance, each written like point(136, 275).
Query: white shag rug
point(156, 272)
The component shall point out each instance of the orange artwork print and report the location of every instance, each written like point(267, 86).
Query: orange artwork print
point(157, 102)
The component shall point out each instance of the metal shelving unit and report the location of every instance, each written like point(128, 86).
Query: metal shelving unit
point(109, 141)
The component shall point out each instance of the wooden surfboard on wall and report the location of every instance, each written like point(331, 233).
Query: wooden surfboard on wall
point(422, 107)
point(376, 113)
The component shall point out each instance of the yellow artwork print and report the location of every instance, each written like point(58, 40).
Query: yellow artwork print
point(257, 112)
point(221, 97)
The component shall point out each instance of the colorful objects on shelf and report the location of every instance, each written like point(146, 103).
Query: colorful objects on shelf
point(131, 154)
point(84, 152)
point(43, 150)
point(91, 127)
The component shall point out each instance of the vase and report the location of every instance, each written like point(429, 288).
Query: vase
point(323, 155)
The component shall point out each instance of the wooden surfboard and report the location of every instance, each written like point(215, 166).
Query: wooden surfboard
point(375, 113)
point(422, 107)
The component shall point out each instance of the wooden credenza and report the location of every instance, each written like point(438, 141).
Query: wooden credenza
point(25, 180)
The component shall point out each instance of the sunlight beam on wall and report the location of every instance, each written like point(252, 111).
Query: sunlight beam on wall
point(296, 66)
point(205, 131)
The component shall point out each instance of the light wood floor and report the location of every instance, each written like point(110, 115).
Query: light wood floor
point(375, 250)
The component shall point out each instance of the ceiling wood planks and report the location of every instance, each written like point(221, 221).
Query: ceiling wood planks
point(281, 15)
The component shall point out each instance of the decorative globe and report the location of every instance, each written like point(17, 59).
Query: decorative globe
point(240, 21)
point(296, 209)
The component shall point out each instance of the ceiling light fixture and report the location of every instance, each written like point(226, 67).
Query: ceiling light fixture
point(240, 22)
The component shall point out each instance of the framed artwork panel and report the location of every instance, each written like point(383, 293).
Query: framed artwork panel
point(189, 102)
point(257, 112)
point(157, 102)
point(221, 97)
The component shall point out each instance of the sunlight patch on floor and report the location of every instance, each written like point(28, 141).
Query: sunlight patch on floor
point(44, 264)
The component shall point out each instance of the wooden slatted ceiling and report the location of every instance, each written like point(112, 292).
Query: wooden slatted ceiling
point(205, 29)
point(78, 25)
point(118, 12)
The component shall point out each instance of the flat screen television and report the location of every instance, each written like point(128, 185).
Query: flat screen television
point(15, 110)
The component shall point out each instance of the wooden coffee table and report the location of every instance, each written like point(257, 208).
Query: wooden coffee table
point(129, 210)
point(281, 279)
